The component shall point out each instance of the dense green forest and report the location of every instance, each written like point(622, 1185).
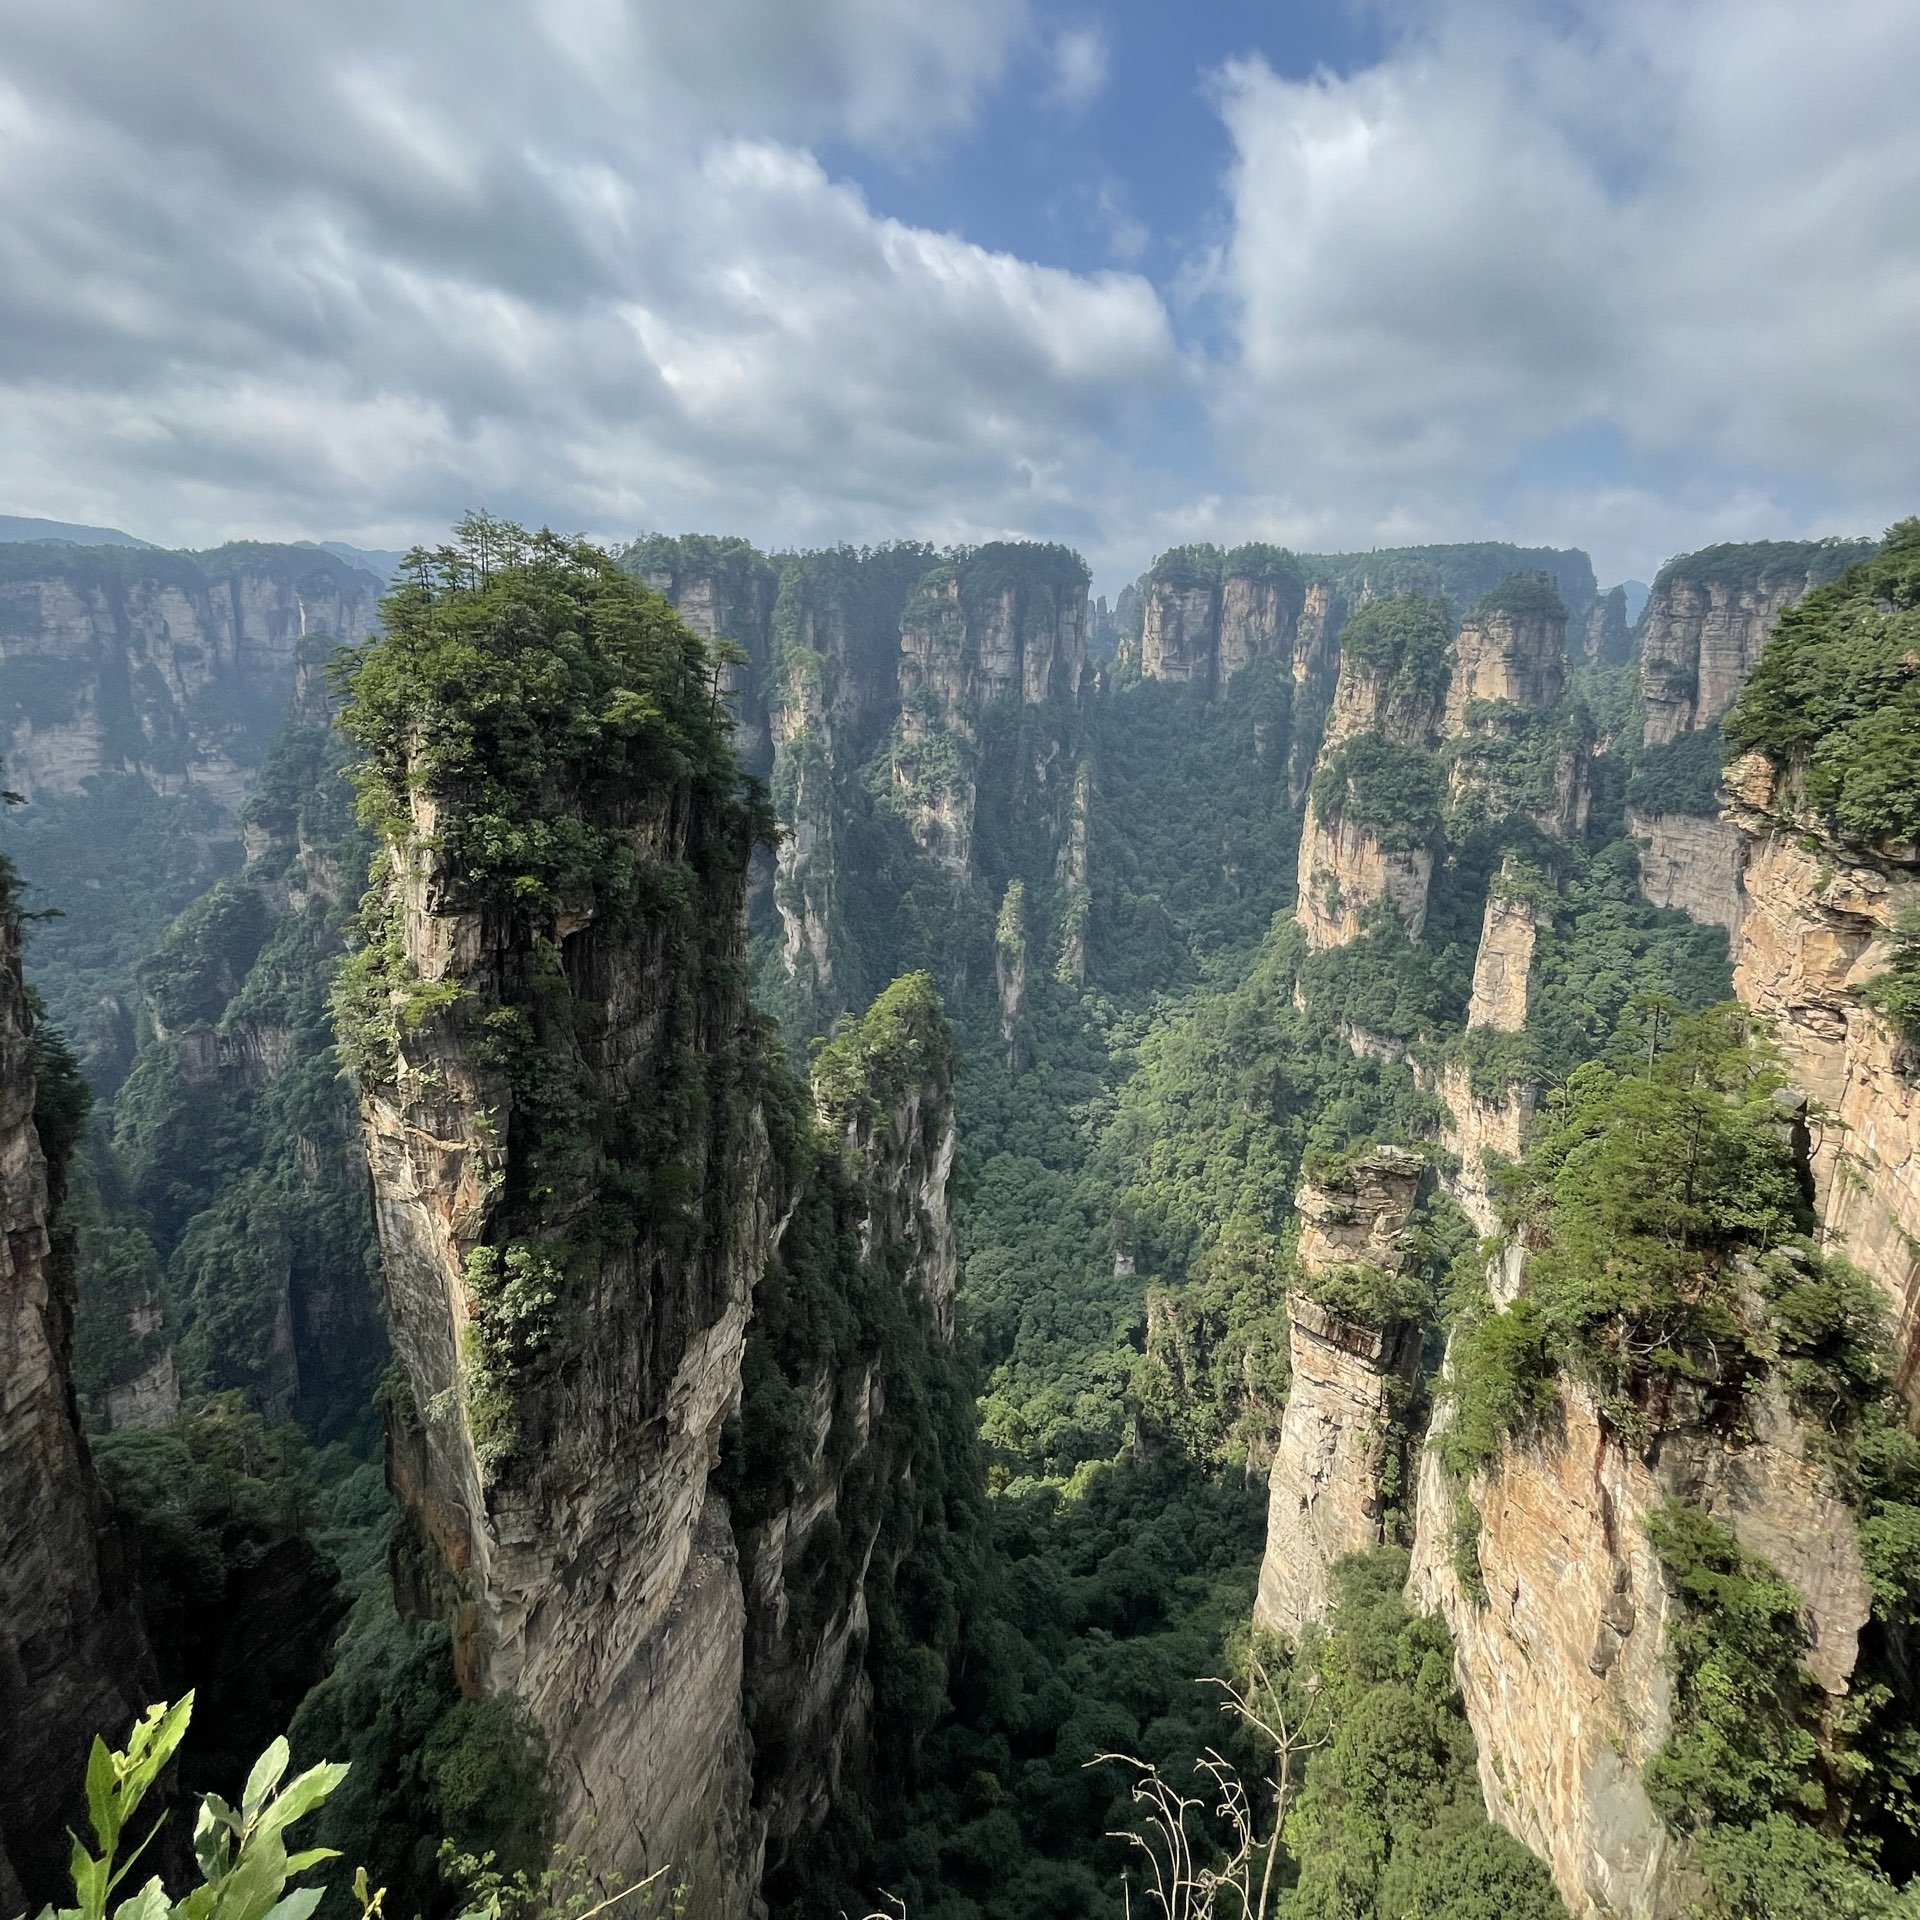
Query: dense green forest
point(1133, 1127)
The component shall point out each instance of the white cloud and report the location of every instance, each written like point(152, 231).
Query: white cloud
point(352, 270)
point(1672, 236)
point(1080, 61)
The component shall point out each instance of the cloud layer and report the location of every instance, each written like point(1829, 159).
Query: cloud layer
point(1634, 273)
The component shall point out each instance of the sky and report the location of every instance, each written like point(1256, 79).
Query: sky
point(1634, 275)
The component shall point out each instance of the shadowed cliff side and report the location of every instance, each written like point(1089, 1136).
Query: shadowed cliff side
point(586, 1160)
point(73, 1658)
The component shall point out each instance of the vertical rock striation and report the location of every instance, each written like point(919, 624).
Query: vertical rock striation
point(1563, 1661)
point(1207, 615)
point(583, 1164)
point(1371, 826)
point(73, 1656)
point(1815, 930)
point(1339, 1433)
point(171, 665)
point(1708, 620)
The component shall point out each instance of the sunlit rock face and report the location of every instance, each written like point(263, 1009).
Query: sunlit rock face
point(1563, 1662)
point(1339, 1432)
point(1813, 931)
point(1694, 862)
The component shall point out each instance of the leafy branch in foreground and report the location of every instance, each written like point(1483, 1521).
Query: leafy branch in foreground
point(241, 1851)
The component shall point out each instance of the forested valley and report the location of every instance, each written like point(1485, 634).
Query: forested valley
point(823, 1231)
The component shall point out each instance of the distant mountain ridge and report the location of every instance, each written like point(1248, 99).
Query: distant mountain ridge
point(15, 527)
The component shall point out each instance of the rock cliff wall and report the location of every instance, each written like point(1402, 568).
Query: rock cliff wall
point(172, 665)
point(1708, 619)
point(1563, 1659)
point(1513, 655)
point(1345, 873)
point(1694, 862)
point(73, 1656)
point(1005, 626)
point(1340, 1433)
point(1207, 615)
point(585, 1166)
point(1813, 932)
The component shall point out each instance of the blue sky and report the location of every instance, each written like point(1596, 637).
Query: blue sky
point(1630, 274)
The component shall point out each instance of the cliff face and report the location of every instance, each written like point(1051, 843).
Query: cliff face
point(1813, 931)
point(592, 1573)
point(1345, 873)
point(73, 1657)
point(1563, 1665)
point(1208, 615)
point(1515, 656)
point(1339, 1434)
point(1693, 862)
point(175, 666)
point(1006, 626)
point(1707, 621)
point(583, 1167)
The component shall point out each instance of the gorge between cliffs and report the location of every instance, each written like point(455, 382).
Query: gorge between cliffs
point(726, 1217)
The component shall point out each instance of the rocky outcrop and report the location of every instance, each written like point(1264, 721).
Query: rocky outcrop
point(1341, 1432)
point(1514, 655)
point(1708, 619)
point(1003, 625)
point(1606, 638)
point(571, 1277)
point(1503, 963)
point(1346, 873)
point(571, 1534)
point(1693, 862)
point(1561, 1635)
point(724, 591)
point(1479, 1127)
point(73, 1655)
point(1813, 932)
point(171, 665)
point(1208, 615)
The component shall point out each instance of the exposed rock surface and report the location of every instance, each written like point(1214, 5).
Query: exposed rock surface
point(594, 1573)
point(1351, 1382)
point(581, 1548)
point(73, 1655)
point(1519, 658)
point(171, 665)
point(1503, 963)
point(1474, 1127)
point(1563, 1666)
point(1201, 625)
point(1345, 873)
point(1813, 932)
point(1708, 619)
point(1693, 862)
point(1005, 625)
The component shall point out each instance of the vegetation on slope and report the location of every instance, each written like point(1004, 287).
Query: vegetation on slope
point(1835, 700)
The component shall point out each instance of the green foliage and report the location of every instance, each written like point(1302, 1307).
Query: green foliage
point(1681, 777)
point(1740, 1747)
point(1403, 638)
point(236, 1596)
point(1526, 596)
point(1781, 1869)
point(1371, 1296)
point(241, 1851)
point(203, 957)
point(1397, 792)
point(1765, 564)
point(1390, 1822)
point(115, 863)
point(1500, 1382)
point(1458, 573)
point(1895, 992)
point(1645, 1183)
point(527, 685)
point(1836, 700)
point(902, 1043)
